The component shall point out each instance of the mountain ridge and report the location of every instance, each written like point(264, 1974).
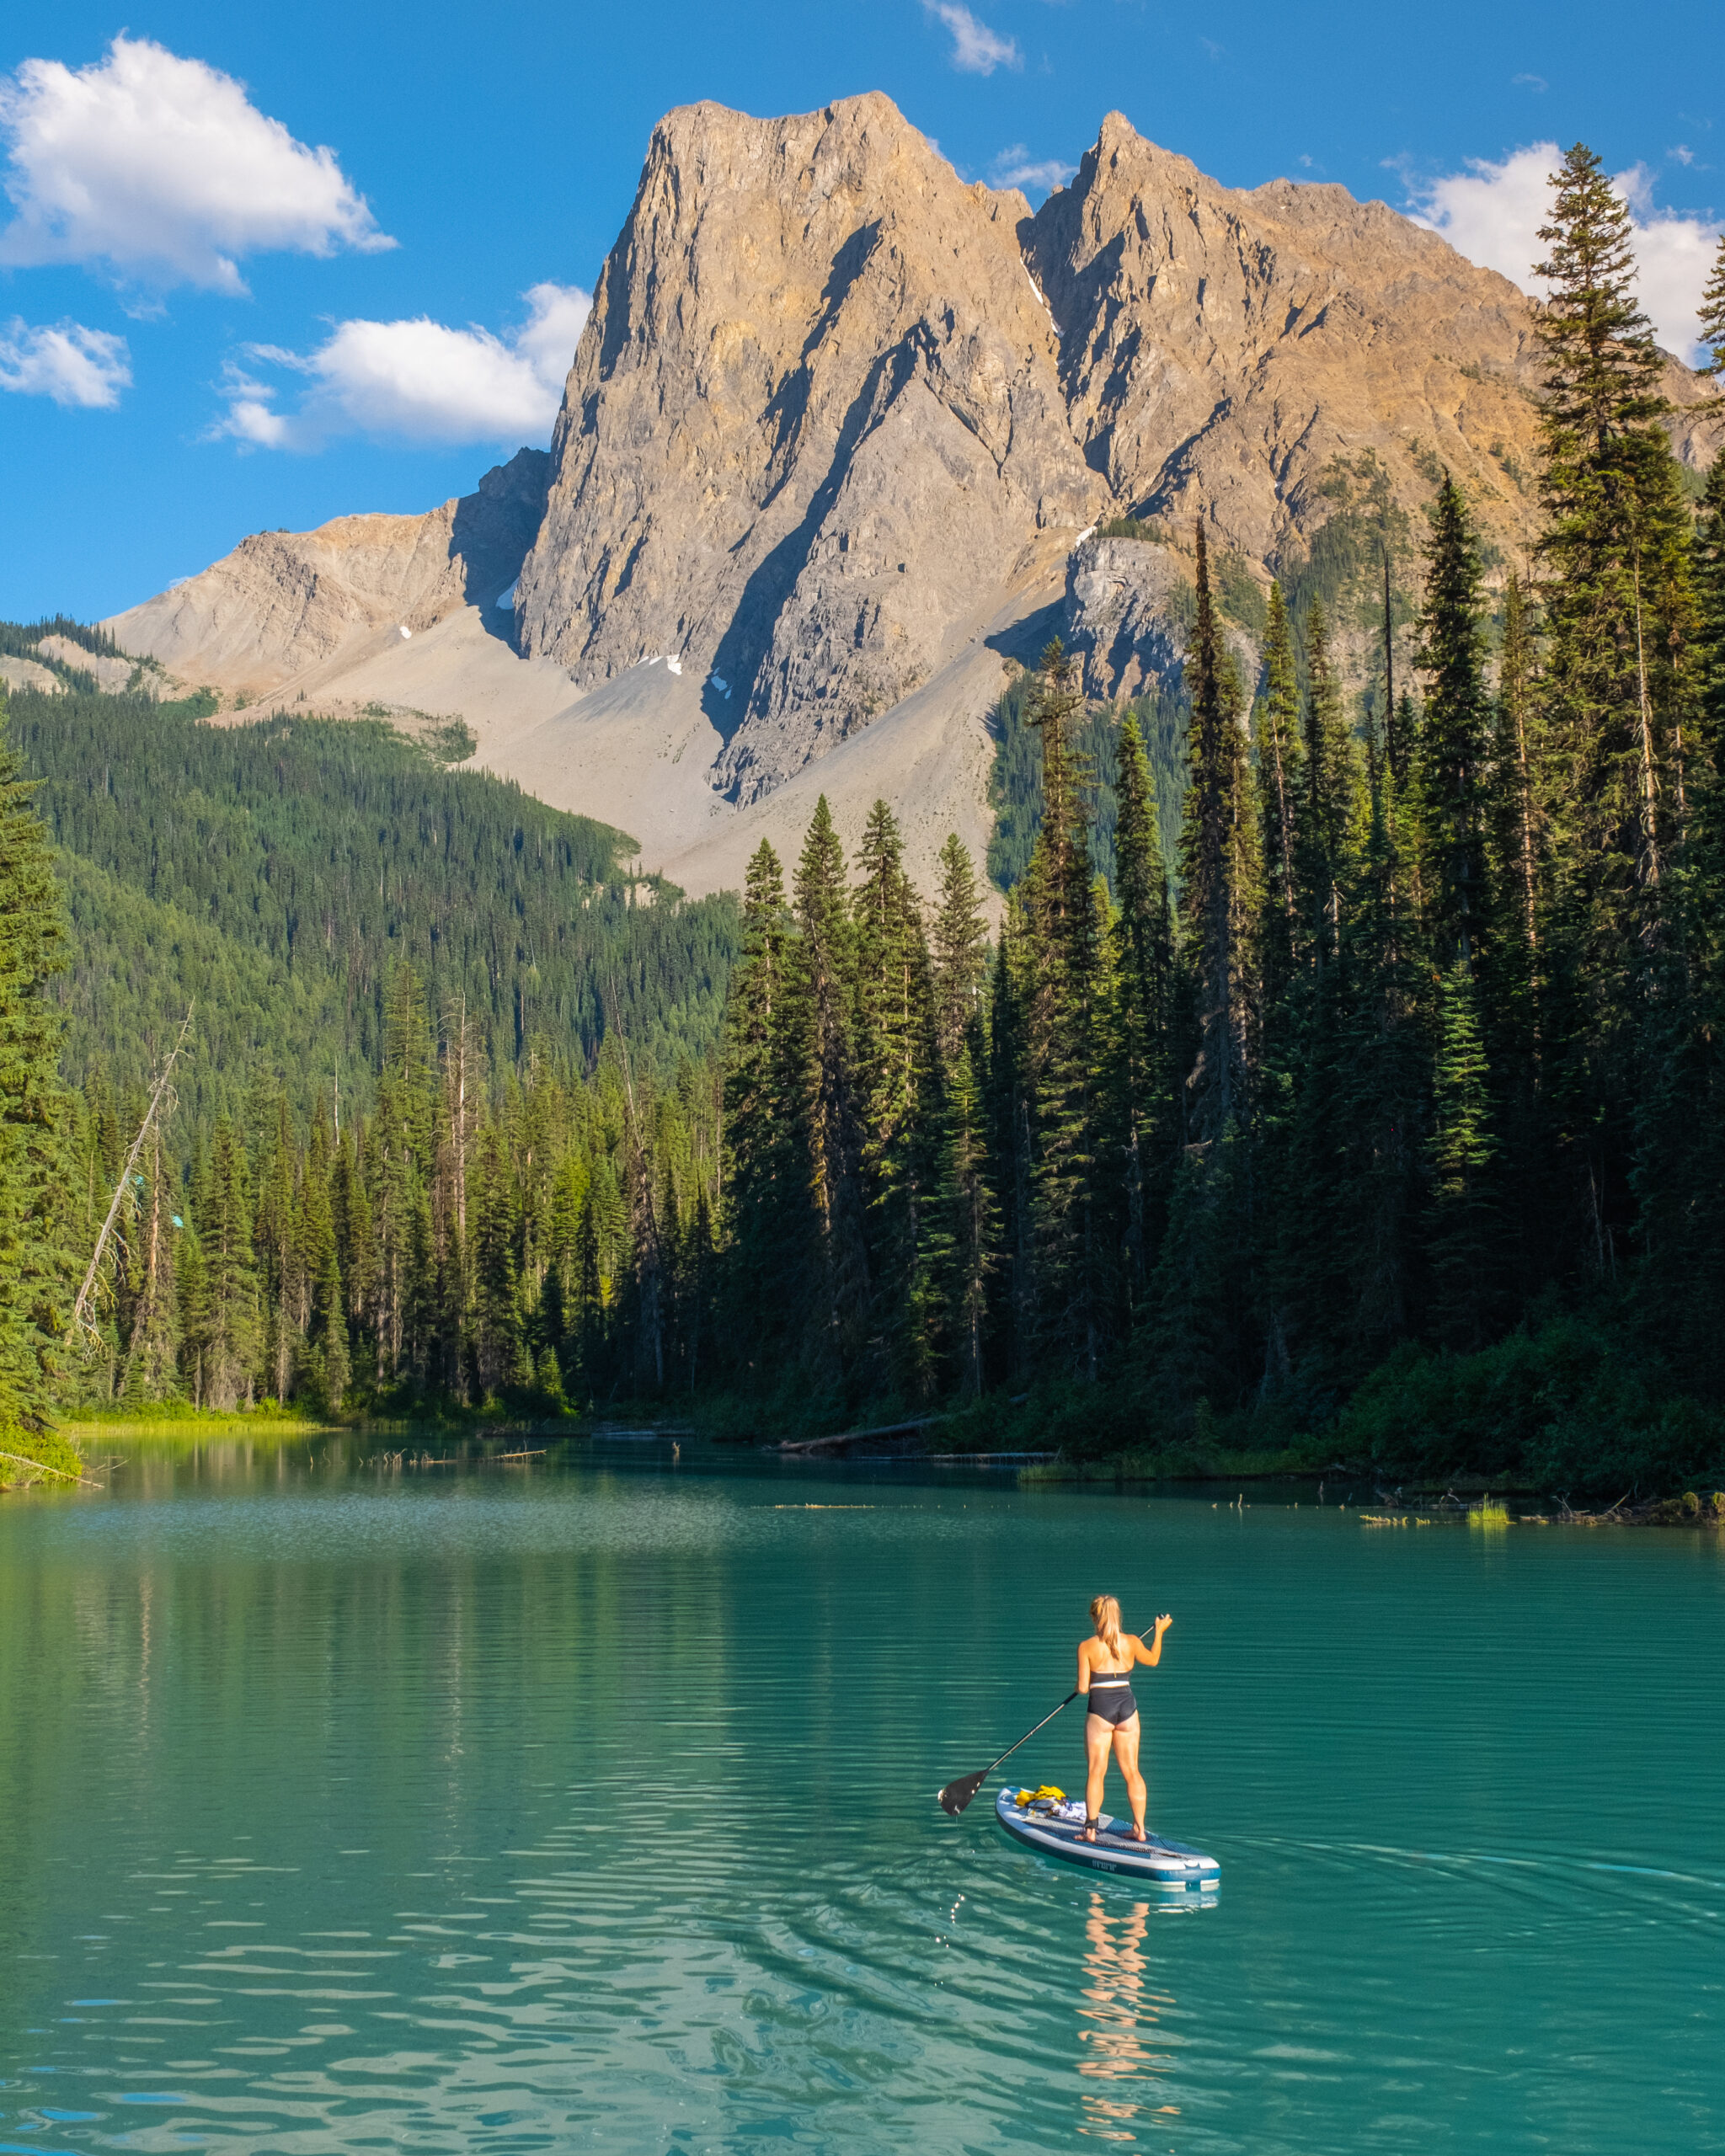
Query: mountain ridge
point(833, 431)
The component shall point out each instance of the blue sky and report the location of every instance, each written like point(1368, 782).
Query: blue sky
point(265, 265)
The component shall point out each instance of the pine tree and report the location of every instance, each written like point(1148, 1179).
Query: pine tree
point(961, 1245)
point(898, 1093)
point(1517, 793)
point(1614, 514)
point(1329, 821)
point(325, 1355)
point(822, 991)
point(35, 1262)
point(499, 1335)
point(355, 1243)
point(1010, 1152)
point(1246, 884)
point(1455, 738)
point(277, 1233)
point(1064, 1019)
point(589, 1327)
point(1206, 896)
point(959, 941)
point(1280, 784)
point(769, 1218)
point(231, 1332)
point(1145, 1112)
point(1616, 606)
point(1385, 1078)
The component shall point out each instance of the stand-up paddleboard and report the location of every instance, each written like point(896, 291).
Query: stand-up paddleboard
point(1157, 1862)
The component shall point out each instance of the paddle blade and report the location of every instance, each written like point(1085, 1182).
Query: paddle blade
point(957, 1795)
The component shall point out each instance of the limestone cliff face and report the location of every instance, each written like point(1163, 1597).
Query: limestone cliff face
point(284, 601)
point(813, 422)
point(1220, 350)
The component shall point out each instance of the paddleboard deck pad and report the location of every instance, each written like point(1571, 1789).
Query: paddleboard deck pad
point(1157, 1862)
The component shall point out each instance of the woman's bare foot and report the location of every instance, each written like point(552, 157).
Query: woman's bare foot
point(1091, 1824)
point(1138, 1832)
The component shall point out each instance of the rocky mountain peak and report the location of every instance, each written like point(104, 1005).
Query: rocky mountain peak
point(814, 418)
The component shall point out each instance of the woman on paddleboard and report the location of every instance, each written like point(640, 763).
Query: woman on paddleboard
point(1106, 1661)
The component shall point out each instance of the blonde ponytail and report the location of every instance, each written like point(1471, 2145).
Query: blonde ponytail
point(1105, 1615)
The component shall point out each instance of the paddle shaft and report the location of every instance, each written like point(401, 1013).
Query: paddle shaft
point(1028, 1734)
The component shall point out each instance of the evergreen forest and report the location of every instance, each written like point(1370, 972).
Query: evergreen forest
point(1345, 1080)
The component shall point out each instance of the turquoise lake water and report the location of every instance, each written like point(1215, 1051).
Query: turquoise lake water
point(591, 1806)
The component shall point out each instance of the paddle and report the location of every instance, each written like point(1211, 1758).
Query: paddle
point(957, 1795)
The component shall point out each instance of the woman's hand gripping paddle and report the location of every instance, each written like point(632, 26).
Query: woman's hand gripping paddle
point(953, 1798)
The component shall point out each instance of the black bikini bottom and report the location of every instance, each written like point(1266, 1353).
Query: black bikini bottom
point(1113, 1704)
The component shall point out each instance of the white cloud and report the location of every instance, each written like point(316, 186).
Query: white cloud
point(976, 48)
point(162, 168)
point(1531, 82)
point(1016, 167)
point(1491, 213)
point(69, 363)
point(417, 381)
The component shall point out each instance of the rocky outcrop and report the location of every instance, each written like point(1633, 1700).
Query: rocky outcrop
point(29, 674)
point(1131, 604)
point(1223, 350)
point(113, 674)
point(813, 421)
point(285, 602)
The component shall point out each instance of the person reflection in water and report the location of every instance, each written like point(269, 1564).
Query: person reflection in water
point(1118, 2013)
point(1106, 1661)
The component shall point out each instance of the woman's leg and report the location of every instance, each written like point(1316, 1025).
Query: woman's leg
point(1126, 1753)
point(1096, 1733)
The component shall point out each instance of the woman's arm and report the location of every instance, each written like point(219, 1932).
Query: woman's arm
point(1083, 1684)
point(1152, 1654)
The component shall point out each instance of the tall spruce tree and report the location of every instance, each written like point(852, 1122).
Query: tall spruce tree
point(1518, 793)
point(826, 1105)
point(898, 1101)
point(961, 1243)
point(1207, 898)
point(1329, 825)
point(959, 943)
point(1615, 599)
point(1279, 782)
point(1145, 1112)
point(1064, 1015)
point(326, 1350)
point(232, 1340)
point(1385, 1079)
point(768, 1216)
point(1614, 516)
point(1011, 1150)
point(1455, 741)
